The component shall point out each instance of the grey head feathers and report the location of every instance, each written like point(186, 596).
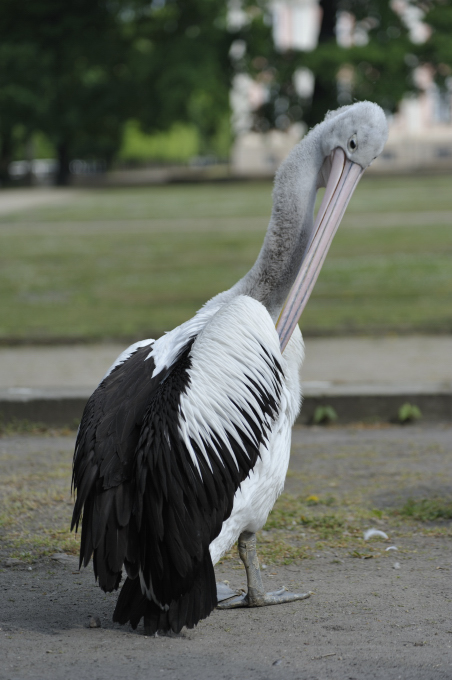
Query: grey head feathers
point(361, 130)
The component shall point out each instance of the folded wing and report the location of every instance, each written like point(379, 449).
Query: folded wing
point(160, 456)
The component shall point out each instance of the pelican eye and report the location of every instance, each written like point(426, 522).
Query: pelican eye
point(352, 143)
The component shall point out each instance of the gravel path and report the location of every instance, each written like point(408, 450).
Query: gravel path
point(383, 618)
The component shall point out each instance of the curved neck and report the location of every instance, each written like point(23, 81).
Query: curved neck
point(290, 229)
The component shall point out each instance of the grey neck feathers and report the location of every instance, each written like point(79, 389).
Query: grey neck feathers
point(290, 228)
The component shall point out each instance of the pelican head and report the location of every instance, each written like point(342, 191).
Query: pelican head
point(360, 130)
point(342, 146)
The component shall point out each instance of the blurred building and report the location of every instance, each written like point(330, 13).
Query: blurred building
point(296, 25)
point(420, 134)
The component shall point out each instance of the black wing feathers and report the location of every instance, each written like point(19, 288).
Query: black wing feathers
point(149, 502)
point(103, 464)
point(188, 610)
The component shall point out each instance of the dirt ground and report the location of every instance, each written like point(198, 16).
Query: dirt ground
point(375, 613)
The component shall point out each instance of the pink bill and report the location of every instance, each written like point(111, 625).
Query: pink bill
point(344, 177)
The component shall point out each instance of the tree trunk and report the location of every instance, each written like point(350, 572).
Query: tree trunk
point(6, 152)
point(324, 96)
point(329, 18)
point(63, 174)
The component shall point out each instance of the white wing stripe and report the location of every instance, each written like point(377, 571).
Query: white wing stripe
point(228, 353)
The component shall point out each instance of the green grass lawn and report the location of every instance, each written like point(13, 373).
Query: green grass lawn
point(134, 262)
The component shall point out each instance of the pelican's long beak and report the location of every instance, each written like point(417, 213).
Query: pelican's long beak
point(344, 177)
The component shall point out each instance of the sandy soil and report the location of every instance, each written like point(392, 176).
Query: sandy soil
point(385, 618)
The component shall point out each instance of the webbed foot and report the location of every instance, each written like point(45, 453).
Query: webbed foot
point(236, 599)
point(256, 596)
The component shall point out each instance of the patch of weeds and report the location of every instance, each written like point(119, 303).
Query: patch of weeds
point(408, 413)
point(31, 546)
point(17, 426)
point(323, 415)
point(24, 502)
point(274, 548)
point(287, 512)
point(326, 526)
point(426, 509)
point(36, 511)
point(291, 514)
point(313, 524)
point(362, 554)
point(436, 532)
point(21, 426)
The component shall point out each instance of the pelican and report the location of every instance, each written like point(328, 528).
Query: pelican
point(183, 448)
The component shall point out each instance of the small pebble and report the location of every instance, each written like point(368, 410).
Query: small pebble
point(94, 622)
point(396, 565)
point(277, 662)
point(63, 558)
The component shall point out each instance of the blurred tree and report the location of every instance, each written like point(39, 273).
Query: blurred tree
point(78, 70)
point(72, 74)
point(180, 61)
point(324, 96)
point(373, 65)
point(18, 98)
point(437, 50)
point(380, 55)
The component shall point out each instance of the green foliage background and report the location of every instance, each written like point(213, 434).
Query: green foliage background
point(78, 71)
point(133, 79)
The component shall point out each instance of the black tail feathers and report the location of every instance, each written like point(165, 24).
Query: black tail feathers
point(188, 610)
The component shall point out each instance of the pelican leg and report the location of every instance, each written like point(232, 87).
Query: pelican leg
point(256, 595)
